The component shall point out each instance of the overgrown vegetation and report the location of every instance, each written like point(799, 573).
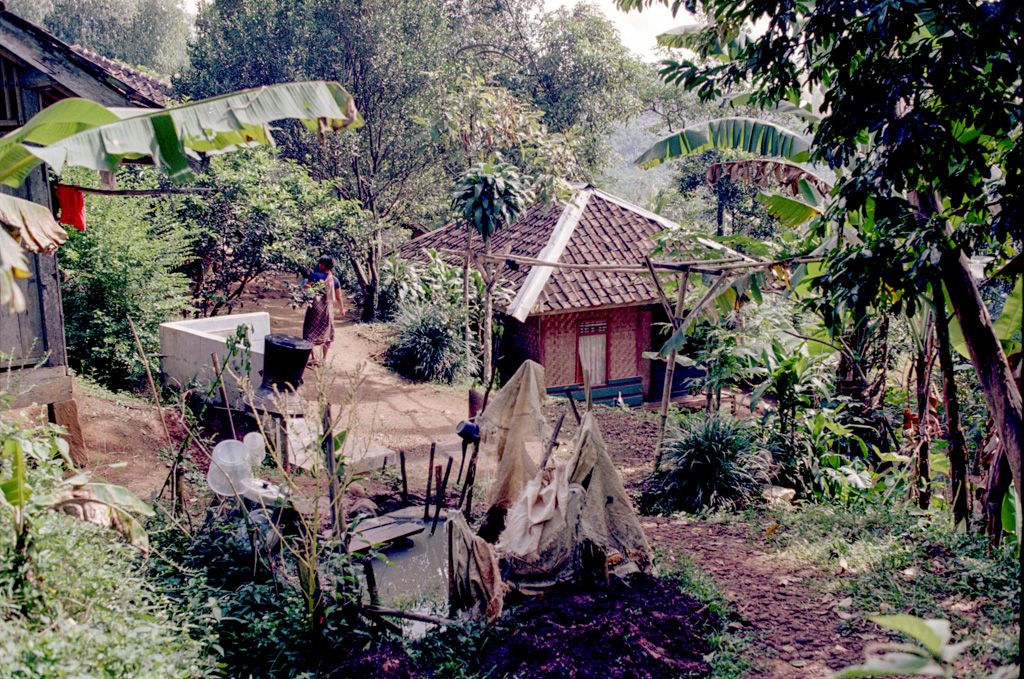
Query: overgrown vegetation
point(74, 601)
point(428, 344)
point(891, 560)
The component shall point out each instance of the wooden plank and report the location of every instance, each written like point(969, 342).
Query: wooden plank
point(383, 534)
point(69, 70)
point(41, 385)
point(66, 415)
point(21, 334)
point(37, 186)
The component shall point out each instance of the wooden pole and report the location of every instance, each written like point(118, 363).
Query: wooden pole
point(572, 404)
point(223, 392)
point(419, 617)
point(140, 192)
point(670, 372)
point(440, 496)
point(327, 447)
point(149, 376)
point(430, 470)
point(462, 462)
point(405, 478)
point(588, 397)
point(371, 582)
point(551, 443)
point(661, 292)
point(470, 473)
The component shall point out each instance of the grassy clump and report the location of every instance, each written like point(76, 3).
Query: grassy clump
point(428, 345)
point(707, 463)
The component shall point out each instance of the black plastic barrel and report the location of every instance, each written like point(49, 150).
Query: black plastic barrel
point(284, 360)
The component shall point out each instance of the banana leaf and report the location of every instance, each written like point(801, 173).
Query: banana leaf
point(688, 37)
point(58, 121)
point(789, 211)
point(214, 125)
point(745, 134)
point(81, 133)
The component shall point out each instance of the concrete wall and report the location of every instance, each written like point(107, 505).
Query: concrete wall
point(186, 347)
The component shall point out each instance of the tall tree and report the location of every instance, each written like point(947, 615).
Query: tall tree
point(392, 55)
point(150, 33)
point(569, 63)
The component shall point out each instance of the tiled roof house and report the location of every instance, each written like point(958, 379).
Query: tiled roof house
point(570, 319)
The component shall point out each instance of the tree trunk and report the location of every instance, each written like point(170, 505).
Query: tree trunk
point(372, 295)
point(955, 445)
point(922, 473)
point(720, 215)
point(998, 385)
point(488, 315)
point(1001, 392)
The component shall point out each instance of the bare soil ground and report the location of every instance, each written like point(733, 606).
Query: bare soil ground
point(796, 630)
point(795, 633)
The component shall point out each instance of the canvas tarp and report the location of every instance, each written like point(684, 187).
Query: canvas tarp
point(569, 522)
point(513, 423)
point(475, 584)
point(577, 510)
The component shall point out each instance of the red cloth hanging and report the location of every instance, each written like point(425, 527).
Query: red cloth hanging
point(72, 206)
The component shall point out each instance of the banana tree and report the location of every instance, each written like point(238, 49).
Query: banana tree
point(79, 133)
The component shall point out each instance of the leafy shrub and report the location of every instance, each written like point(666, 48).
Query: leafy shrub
point(124, 264)
point(706, 464)
point(428, 345)
point(74, 600)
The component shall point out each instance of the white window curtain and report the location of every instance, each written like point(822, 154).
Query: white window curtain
point(593, 357)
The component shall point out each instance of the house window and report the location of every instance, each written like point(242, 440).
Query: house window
point(11, 115)
point(592, 350)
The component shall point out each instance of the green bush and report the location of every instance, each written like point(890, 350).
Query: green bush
point(707, 463)
point(74, 598)
point(428, 345)
point(124, 264)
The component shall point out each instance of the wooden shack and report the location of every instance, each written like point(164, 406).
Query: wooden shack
point(36, 70)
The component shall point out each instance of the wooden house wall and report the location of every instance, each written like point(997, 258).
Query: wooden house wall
point(34, 338)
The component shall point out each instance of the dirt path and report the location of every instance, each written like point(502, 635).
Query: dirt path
point(795, 630)
point(389, 410)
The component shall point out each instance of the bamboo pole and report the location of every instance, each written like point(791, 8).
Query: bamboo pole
point(223, 392)
point(140, 192)
point(670, 372)
point(149, 377)
point(710, 266)
point(661, 293)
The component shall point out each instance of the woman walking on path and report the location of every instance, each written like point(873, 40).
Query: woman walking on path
point(318, 326)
